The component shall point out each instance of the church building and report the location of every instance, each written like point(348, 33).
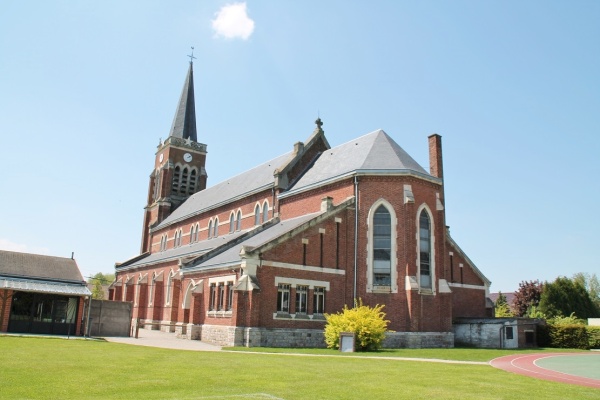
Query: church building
point(258, 259)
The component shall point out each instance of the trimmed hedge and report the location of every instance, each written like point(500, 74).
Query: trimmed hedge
point(568, 336)
point(594, 336)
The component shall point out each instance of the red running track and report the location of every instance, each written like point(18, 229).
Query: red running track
point(525, 365)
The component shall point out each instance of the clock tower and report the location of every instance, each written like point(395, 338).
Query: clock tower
point(178, 165)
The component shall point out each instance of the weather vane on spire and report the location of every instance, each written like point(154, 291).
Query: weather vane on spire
point(191, 56)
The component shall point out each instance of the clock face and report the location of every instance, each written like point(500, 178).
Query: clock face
point(160, 158)
point(187, 157)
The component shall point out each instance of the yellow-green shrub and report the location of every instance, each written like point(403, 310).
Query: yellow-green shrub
point(367, 323)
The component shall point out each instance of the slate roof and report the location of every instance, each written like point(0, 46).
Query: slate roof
point(184, 123)
point(194, 249)
point(232, 255)
point(373, 152)
point(36, 266)
point(254, 180)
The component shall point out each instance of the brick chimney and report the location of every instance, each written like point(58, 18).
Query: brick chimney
point(435, 156)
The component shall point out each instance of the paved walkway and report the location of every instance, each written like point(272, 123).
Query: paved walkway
point(166, 340)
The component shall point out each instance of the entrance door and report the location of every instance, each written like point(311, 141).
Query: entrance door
point(43, 314)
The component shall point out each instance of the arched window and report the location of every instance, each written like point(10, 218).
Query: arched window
point(192, 234)
point(265, 212)
point(184, 181)
point(424, 250)
point(210, 228)
point(163, 242)
point(382, 247)
point(156, 193)
point(216, 227)
point(176, 179)
point(231, 223)
point(192, 184)
point(197, 237)
point(238, 222)
point(257, 215)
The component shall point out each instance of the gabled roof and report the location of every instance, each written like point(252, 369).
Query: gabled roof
point(184, 251)
point(36, 266)
point(375, 152)
point(252, 181)
point(232, 255)
point(184, 123)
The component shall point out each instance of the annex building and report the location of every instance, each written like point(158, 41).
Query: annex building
point(258, 259)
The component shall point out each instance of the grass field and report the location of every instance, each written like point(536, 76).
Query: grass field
point(42, 368)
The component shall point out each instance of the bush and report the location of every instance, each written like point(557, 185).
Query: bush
point(569, 336)
point(594, 336)
point(367, 323)
point(543, 335)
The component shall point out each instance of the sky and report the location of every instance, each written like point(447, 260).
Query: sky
point(88, 89)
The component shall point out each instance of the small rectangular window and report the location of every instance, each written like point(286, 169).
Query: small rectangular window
point(221, 296)
point(283, 298)
point(301, 299)
point(213, 295)
point(229, 295)
point(319, 300)
point(509, 332)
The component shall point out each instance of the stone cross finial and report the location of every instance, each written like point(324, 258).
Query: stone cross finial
point(319, 123)
point(191, 56)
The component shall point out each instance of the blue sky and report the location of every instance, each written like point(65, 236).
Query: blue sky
point(87, 89)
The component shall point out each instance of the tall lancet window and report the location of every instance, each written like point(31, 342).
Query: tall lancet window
point(425, 250)
point(192, 184)
point(156, 193)
point(176, 179)
point(382, 247)
point(184, 181)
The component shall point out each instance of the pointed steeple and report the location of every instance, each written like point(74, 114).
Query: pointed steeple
point(184, 123)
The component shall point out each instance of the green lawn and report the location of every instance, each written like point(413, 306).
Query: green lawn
point(42, 368)
point(456, 354)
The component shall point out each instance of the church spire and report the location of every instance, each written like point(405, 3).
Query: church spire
point(184, 123)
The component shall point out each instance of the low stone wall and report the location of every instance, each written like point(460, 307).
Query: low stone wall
point(418, 340)
point(219, 335)
point(294, 338)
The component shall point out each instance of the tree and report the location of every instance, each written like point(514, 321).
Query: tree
point(591, 284)
point(502, 309)
point(528, 295)
point(97, 281)
point(566, 297)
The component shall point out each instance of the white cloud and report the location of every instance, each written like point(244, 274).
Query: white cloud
point(21, 248)
point(232, 22)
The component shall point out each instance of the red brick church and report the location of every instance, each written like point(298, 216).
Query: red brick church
point(258, 259)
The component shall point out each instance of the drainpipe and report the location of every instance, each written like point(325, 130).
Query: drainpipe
point(355, 232)
point(87, 324)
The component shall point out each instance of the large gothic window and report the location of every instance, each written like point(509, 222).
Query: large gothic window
point(382, 246)
point(425, 250)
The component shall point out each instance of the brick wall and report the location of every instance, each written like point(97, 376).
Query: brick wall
point(5, 305)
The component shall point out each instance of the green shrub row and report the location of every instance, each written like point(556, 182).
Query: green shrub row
point(594, 334)
point(568, 336)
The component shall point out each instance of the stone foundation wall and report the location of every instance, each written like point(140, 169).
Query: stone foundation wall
point(274, 337)
point(418, 340)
